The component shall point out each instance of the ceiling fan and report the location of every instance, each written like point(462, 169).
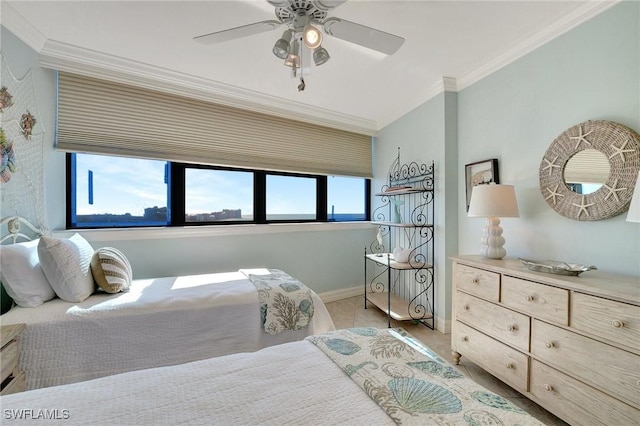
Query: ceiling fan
point(302, 19)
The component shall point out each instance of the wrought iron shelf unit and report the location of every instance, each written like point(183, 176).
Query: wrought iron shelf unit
point(405, 220)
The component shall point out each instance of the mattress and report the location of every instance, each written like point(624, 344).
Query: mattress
point(290, 384)
point(159, 322)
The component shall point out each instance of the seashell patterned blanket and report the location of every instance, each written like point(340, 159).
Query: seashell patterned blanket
point(411, 383)
point(285, 303)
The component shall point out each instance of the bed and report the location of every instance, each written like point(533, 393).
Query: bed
point(352, 376)
point(158, 322)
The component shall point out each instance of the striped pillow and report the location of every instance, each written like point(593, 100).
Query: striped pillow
point(111, 270)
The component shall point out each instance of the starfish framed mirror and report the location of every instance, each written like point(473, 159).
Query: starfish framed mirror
point(590, 170)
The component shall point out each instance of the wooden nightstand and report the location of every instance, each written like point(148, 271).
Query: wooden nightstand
point(13, 380)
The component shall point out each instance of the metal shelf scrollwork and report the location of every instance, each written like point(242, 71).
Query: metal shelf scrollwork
point(404, 290)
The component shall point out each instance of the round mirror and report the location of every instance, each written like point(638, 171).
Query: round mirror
point(590, 170)
point(586, 171)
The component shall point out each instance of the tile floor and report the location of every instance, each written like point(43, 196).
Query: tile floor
point(350, 312)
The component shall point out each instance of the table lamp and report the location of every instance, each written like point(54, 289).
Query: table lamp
point(493, 201)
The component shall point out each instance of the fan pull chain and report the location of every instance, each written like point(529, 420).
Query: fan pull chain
point(302, 85)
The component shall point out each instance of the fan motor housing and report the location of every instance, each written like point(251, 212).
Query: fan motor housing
point(298, 9)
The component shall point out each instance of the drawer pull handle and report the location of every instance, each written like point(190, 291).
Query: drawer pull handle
point(509, 365)
point(548, 388)
point(512, 328)
point(466, 307)
point(475, 281)
point(465, 339)
point(617, 323)
point(530, 298)
point(549, 345)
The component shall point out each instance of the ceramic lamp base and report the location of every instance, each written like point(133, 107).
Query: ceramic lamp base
point(492, 240)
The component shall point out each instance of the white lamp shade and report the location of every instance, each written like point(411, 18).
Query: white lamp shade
point(634, 208)
point(493, 201)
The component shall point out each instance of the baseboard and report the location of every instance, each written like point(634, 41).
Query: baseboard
point(443, 325)
point(343, 293)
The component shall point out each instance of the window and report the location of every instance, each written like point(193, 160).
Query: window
point(291, 198)
point(346, 200)
point(107, 191)
point(212, 195)
point(116, 191)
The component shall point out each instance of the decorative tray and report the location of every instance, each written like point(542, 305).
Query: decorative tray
point(556, 267)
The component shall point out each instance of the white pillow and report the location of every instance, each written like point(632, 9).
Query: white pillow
point(111, 270)
point(66, 264)
point(22, 275)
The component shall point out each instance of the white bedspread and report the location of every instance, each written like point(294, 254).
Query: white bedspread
point(299, 383)
point(159, 322)
point(291, 384)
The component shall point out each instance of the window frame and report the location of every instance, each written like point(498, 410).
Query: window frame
point(176, 191)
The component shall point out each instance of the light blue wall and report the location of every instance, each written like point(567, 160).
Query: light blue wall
point(428, 133)
point(591, 72)
point(21, 59)
point(326, 257)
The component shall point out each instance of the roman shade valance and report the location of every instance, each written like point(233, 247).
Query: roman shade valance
point(99, 116)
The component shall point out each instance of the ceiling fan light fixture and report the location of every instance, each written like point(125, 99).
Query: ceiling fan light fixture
point(281, 48)
point(320, 56)
point(293, 59)
point(312, 37)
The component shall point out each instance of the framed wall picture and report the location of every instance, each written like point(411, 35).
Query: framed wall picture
point(480, 173)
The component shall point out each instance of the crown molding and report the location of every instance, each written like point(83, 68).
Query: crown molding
point(73, 59)
point(567, 23)
point(550, 32)
point(447, 84)
point(21, 28)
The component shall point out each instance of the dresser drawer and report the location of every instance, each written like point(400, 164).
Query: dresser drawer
point(571, 399)
point(476, 281)
point(504, 362)
point(610, 369)
point(494, 320)
point(9, 357)
point(615, 321)
point(538, 300)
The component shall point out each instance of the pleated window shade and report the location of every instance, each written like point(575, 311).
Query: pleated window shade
point(587, 166)
point(98, 116)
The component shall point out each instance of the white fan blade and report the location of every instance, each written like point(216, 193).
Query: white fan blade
point(279, 3)
point(326, 5)
point(362, 35)
point(238, 32)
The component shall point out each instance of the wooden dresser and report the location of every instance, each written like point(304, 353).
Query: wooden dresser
point(13, 380)
point(571, 344)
